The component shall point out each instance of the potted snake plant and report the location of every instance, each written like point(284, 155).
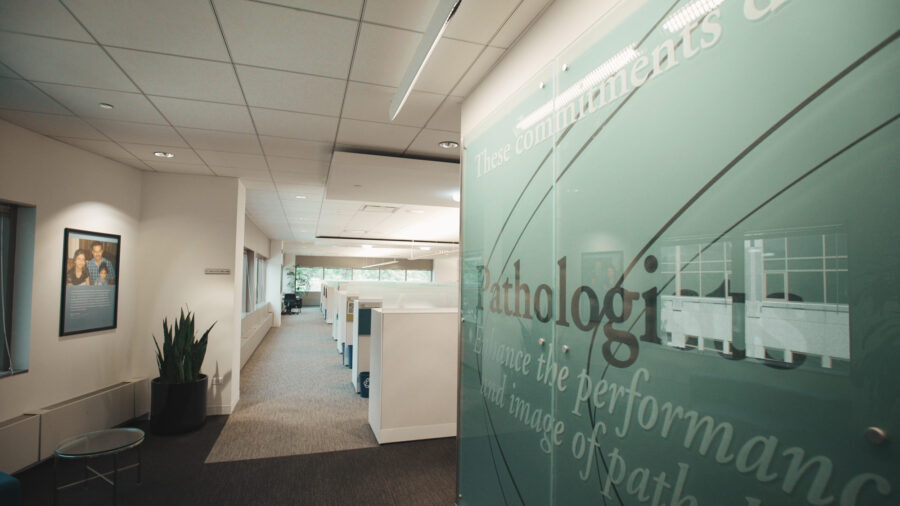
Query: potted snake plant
point(178, 395)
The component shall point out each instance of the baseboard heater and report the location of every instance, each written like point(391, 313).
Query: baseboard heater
point(32, 436)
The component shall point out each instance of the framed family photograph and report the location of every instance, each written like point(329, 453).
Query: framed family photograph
point(90, 282)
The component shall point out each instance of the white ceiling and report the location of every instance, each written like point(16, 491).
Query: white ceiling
point(265, 91)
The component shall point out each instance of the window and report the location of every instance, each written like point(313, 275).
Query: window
point(16, 269)
point(393, 275)
point(309, 279)
point(260, 280)
point(808, 268)
point(418, 276)
point(365, 274)
point(7, 266)
point(246, 294)
point(333, 274)
point(699, 270)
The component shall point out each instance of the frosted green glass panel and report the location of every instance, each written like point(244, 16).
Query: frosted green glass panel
point(680, 264)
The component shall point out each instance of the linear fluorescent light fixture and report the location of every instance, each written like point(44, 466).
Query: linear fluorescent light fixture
point(379, 265)
point(594, 77)
point(689, 13)
point(439, 20)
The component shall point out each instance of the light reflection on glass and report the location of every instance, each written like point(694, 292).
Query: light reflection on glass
point(795, 300)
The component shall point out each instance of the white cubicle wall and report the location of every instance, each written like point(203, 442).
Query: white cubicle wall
point(394, 294)
point(413, 377)
point(401, 295)
point(328, 301)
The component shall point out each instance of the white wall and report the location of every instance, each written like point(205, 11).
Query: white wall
point(190, 223)
point(446, 269)
point(273, 279)
point(255, 239)
point(76, 189)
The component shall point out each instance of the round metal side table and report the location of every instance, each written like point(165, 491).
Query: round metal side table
point(108, 442)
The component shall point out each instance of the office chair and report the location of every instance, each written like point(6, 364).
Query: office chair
point(290, 302)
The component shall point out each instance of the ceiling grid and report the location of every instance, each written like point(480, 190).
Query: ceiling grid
point(263, 90)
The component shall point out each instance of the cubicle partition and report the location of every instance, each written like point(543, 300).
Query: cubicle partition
point(413, 382)
point(389, 295)
point(323, 300)
point(328, 301)
point(343, 321)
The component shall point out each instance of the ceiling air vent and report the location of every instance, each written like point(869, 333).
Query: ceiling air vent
point(368, 208)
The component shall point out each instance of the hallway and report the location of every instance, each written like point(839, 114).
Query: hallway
point(295, 397)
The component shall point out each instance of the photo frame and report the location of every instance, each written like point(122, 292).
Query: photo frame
point(89, 293)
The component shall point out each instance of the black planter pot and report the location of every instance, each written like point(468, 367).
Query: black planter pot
point(177, 408)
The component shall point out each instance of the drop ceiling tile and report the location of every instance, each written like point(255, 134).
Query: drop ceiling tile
point(23, 96)
point(298, 178)
point(344, 8)
point(302, 215)
point(85, 102)
point(275, 37)
point(216, 140)
point(371, 102)
point(219, 159)
point(370, 64)
point(297, 165)
point(132, 162)
point(449, 62)
point(138, 133)
point(180, 168)
point(207, 115)
point(174, 76)
point(105, 148)
point(447, 116)
point(41, 17)
point(379, 136)
point(280, 146)
point(313, 193)
point(241, 172)
point(145, 152)
point(57, 61)
point(292, 92)
point(406, 14)
point(477, 71)
point(259, 183)
point(478, 21)
point(182, 27)
point(52, 125)
point(518, 22)
point(311, 127)
point(426, 144)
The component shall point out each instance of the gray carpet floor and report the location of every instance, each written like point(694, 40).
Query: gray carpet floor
point(296, 398)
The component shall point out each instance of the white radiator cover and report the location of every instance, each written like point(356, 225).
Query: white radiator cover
point(19, 439)
point(32, 437)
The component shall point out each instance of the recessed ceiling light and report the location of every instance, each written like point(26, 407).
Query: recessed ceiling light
point(425, 248)
point(367, 246)
point(104, 105)
point(163, 154)
point(300, 197)
point(455, 196)
point(448, 144)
